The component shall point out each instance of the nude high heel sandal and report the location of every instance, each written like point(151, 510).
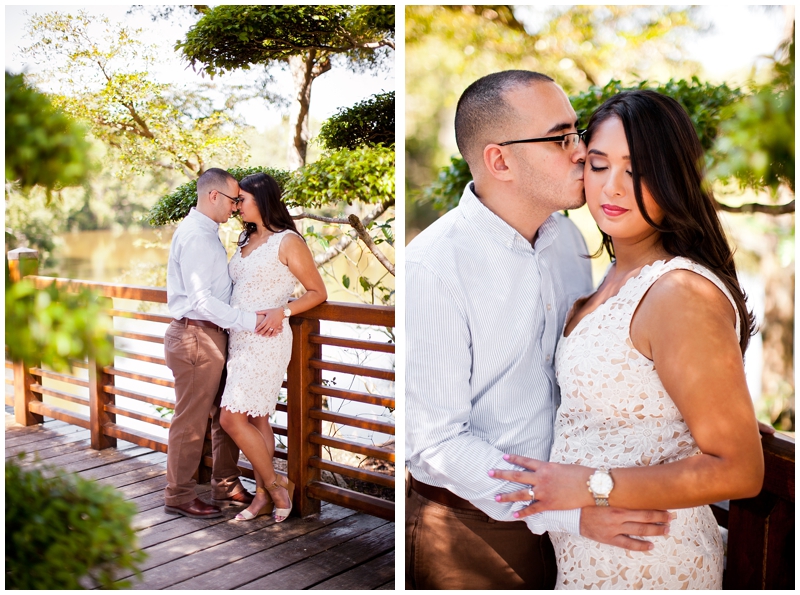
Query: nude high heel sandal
point(280, 514)
point(246, 515)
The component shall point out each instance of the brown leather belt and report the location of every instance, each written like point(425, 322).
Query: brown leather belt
point(203, 323)
point(440, 495)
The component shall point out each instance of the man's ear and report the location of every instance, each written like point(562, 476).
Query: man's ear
point(494, 159)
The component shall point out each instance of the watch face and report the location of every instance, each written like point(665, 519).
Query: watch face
point(601, 483)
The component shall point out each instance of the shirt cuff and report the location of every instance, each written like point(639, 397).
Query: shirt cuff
point(250, 319)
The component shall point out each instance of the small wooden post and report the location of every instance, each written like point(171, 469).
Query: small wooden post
point(99, 398)
point(300, 426)
point(22, 262)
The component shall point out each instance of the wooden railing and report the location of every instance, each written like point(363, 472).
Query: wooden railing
point(310, 428)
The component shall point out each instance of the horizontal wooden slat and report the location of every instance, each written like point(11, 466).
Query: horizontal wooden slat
point(153, 419)
point(158, 401)
point(152, 359)
point(142, 377)
point(282, 407)
point(351, 343)
point(353, 500)
point(347, 445)
point(352, 313)
point(9, 365)
point(51, 392)
point(10, 381)
point(362, 474)
point(79, 364)
point(352, 420)
point(351, 369)
point(10, 400)
point(60, 377)
point(139, 336)
point(58, 413)
point(246, 467)
point(165, 318)
point(114, 290)
point(136, 437)
point(353, 395)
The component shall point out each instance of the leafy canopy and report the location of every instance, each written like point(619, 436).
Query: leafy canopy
point(229, 37)
point(101, 75)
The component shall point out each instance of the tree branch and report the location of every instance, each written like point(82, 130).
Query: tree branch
point(758, 208)
point(349, 237)
point(364, 235)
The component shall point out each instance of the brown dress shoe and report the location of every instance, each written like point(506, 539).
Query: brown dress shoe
point(196, 509)
point(244, 497)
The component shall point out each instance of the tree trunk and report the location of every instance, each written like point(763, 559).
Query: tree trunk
point(304, 68)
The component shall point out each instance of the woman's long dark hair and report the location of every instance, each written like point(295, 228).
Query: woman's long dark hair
point(274, 213)
point(666, 155)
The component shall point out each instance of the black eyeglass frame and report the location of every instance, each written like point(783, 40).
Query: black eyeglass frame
point(236, 200)
point(554, 139)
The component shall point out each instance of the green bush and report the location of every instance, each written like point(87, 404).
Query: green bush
point(369, 122)
point(174, 207)
point(61, 529)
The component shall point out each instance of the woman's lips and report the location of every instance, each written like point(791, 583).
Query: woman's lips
point(612, 210)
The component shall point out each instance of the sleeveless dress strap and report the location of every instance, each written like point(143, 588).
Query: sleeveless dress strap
point(652, 273)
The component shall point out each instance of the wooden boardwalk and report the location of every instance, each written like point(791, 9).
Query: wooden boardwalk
point(335, 549)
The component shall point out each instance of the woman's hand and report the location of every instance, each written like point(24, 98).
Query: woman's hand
point(272, 324)
point(555, 486)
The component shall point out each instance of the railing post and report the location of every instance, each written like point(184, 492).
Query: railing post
point(300, 400)
point(98, 398)
point(22, 262)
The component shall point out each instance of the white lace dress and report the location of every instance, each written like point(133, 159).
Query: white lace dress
point(257, 364)
point(615, 412)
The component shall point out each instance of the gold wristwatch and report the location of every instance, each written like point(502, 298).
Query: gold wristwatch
point(600, 485)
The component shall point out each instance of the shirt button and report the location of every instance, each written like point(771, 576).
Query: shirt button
point(549, 307)
point(548, 358)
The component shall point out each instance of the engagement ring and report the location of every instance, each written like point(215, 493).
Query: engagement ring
point(530, 493)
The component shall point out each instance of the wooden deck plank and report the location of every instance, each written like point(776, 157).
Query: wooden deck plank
point(272, 559)
point(387, 587)
point(331, 562)
point(140, 462)
point(328, 549)
point(368, 576)
point(222, 544)
point(52, 451)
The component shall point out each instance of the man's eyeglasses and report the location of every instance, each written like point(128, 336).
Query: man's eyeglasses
point(236, 200)
point(568, 141)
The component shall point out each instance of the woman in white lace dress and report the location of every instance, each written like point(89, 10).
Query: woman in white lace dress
point(271, 258)
point(655, 412)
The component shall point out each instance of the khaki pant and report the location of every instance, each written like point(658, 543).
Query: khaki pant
point(196, 355)
point(450, 548)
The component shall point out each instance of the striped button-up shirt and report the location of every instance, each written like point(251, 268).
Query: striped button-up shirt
point(198, 284)
point(484, 310)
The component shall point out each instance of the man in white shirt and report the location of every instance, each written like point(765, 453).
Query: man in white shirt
point(195, 349)
point(488, 288)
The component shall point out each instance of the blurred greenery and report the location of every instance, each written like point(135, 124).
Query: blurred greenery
point(758, 133)
point(43, 146)
point(62, 529)
point(49, 326)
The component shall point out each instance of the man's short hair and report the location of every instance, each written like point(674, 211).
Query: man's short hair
point(482, 109)
point(213, 179)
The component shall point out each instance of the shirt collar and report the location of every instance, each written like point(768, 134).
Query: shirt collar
point(203, 221)
point(477, 213)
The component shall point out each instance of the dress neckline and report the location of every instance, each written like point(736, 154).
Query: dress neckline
point(267, 241)
point(622, 289)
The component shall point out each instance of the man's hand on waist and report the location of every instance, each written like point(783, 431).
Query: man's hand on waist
point(615, 526)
